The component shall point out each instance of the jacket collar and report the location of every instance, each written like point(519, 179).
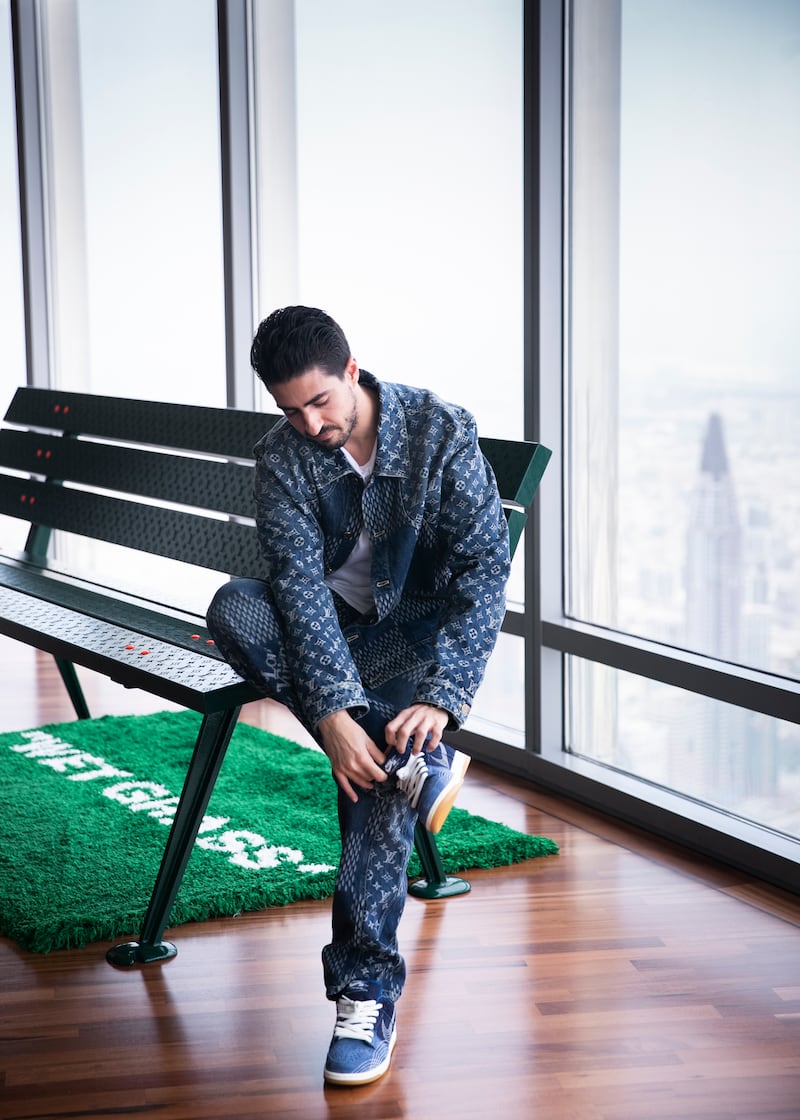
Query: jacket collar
point(392, 457)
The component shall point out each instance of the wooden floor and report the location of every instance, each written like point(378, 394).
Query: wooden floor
point(620, 980)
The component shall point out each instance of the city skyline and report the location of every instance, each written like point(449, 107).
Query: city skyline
point(741, 761)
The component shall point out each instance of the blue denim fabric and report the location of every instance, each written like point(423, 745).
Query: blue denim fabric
point(439, 551)
point(440, 563)
point(378, 830)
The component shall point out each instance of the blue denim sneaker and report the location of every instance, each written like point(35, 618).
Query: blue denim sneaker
point(364, 1035)
point(431, 782)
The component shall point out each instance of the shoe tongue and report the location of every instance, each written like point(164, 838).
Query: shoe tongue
point(361, 990)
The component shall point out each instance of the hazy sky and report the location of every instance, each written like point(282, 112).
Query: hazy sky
point(710, 187)
point(710, 177)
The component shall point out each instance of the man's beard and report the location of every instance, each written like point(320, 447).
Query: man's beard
point(343, 433)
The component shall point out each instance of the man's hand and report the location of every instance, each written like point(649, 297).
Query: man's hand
point(421, 722)
point(355, 759)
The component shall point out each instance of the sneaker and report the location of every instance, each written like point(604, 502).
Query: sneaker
point(431, 789)
point(364, 1035)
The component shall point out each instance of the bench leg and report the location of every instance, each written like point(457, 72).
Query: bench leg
point(436, 883)
point(70, 678)
point(212, 742)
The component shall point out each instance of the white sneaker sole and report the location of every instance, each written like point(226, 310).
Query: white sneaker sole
point(446, 800)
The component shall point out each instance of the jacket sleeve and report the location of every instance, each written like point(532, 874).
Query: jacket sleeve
point(473, 533)
point(324, 673)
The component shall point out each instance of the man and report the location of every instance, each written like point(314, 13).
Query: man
point(386, 555)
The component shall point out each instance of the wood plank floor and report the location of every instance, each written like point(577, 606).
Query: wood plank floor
point(623, 979)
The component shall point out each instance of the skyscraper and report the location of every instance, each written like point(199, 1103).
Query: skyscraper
point(714, 554)
point(709, 737)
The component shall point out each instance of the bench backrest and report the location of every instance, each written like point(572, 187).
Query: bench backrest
point(173, 480)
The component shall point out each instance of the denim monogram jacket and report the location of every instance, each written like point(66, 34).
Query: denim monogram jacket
point(440, 557)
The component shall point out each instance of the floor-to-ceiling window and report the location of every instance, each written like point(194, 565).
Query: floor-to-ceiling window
point(643, 308)
point(389, 155)
point(125, 127)
point(131, 135)
point(682, 400)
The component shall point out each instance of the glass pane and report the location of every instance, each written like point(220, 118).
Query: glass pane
point(134, 187)
point(135, 267)
point(390, 193)
point(736, 760)
point(499, 709)
point(406, 222)
point(684, 335)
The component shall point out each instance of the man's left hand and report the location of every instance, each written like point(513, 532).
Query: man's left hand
point(422, 724)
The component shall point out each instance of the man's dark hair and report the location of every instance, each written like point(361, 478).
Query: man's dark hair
point(292, 340)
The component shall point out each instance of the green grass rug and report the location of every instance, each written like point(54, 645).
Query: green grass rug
point(85, 808)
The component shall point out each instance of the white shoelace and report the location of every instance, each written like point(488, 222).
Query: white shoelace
point(356, 1019)
point(411, 778)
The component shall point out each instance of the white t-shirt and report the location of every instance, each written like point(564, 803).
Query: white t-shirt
point(353, 580)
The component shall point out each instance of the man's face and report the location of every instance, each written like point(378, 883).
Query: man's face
point(321, 407)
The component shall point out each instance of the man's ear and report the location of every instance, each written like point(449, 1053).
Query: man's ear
point(351, 370)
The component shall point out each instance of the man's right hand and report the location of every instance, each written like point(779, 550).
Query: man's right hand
point(355, 759)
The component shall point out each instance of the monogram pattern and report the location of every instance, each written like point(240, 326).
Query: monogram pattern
point(439, 552)
point(371, 889)
point(440, 562)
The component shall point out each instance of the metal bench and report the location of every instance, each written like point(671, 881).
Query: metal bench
point(174, 481)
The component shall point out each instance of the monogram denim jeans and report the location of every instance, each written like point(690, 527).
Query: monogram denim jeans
point(377, 831)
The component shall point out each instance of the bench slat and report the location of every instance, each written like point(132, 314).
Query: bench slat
point(208, 484)
point(217, 544)
point(518, 466)
point(213, 431)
